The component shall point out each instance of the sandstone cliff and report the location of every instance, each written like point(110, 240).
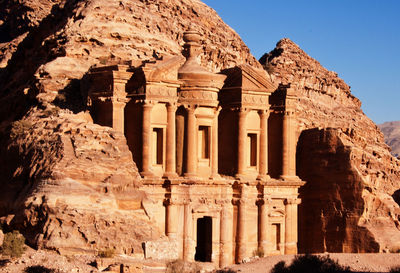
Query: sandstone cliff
point(66, 182)
point(391, 130)
point(350, 173)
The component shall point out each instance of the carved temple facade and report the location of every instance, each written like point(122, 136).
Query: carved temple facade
point(216, 152)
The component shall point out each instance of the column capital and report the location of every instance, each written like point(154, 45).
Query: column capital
point(120, 100)
point(190, 107)
point(241, 201)
point(292, 201)
point(224, 202)
point(172, 106)
point(147, 103)
point(217, 110)
point(264, 113)
point(289, 112)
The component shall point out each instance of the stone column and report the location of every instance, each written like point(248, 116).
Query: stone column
point(226, 234)
point(188, 251)
point(146, 139)
point(288, 145)
point(191, 154)
point(118, 106)
point(172, 220)
point(263, 169)
point(170, 166)
point(241, 167)
point(241, 240)
point(263, 239)
point(290, 226)
point(214, 147)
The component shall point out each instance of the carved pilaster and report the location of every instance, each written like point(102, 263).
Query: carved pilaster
point(214, 147)
point(289, 136)
point(241, 164)
point(146, 139)
point(172, 216)
point(263, 169)
point(188, 244)
point(291, 225)
point(118, 106)
point(241, 240)
point(226, 230)
point(191, 154)
point(170, 168)
point(263, 239)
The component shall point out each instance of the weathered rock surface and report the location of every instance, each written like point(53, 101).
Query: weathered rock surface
point(350, 173)
point(391, 130)
point(1, 237)
point(77, 184)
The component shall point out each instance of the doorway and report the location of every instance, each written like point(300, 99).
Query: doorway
point(204, 239)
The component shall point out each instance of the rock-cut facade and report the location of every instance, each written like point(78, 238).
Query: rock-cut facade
point(216, 152)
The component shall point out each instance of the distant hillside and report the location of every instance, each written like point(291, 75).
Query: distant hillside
point(391, 130)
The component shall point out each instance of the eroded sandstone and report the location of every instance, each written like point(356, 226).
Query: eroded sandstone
point(364, 201)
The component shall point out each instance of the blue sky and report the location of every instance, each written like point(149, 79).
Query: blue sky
point(358, 39)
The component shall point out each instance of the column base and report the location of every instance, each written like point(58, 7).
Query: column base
point(147, 175)
point(172, 236)
point(188, 252)
point(290, 248)
point(263, 177)
point(190, 175)
point(170, 176)
point(241, 255)
point(264, 246)
point(215, 176)
point(240, 177)
point(290, 178)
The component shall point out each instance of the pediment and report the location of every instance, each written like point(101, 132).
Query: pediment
point(248, 78)
point(165, 70)
point(255, 79)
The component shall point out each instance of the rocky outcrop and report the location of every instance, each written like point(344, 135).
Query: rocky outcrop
point(349, 170)
point(72, 184)
point(391, 130)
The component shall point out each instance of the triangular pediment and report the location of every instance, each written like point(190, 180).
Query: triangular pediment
point(248, 78)
point(255, 79)
point(165, 70)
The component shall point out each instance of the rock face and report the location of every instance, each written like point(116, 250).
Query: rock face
point(391, 130)
point(77, 184)
point(69, 184)
point(1, 237)
point(350, 173)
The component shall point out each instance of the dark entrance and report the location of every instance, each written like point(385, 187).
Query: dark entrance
point(204, 239)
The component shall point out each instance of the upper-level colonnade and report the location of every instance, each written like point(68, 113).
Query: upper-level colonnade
point(182, 121)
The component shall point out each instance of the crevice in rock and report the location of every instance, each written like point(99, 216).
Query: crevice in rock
point(396, 196)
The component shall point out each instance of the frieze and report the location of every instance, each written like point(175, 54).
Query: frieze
point(255, 99)
point(199, 95)
point(223, 202)
point(160, 91)
point(292, 201)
